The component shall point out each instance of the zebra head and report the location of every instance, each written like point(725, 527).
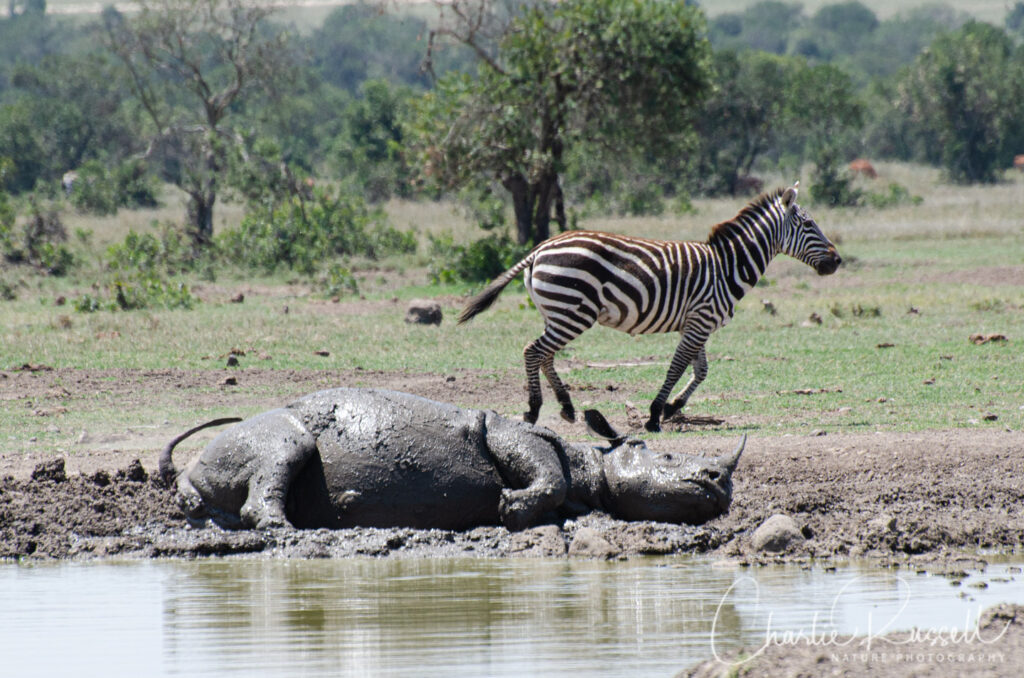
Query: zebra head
point(803, 240)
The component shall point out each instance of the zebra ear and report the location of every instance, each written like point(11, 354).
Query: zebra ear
point(599, 426)
point(789, 195)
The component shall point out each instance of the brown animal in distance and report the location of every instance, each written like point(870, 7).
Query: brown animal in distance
point(863, 167)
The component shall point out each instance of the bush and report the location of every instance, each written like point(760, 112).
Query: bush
point(479, 261)
point(300, 235)
point(896, 195)
point(99, 191)
point(834, 187)
point(135, 291)
point(169, 252)
point(39, 242)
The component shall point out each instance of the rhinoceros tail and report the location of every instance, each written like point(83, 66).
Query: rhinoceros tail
point(483, 301)
point(166, 463)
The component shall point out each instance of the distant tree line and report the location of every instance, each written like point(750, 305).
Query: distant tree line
point(553, 110)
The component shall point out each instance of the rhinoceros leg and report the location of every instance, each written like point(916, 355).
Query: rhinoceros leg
point(529, 464)
point(280, 446)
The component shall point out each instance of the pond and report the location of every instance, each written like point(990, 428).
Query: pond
point(457, 617)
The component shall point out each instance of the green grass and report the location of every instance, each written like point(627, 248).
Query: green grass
point(872, 363)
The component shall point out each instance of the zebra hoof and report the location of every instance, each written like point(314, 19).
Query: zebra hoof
point(653, 425)
point(530, 417)
point(569, 414)
point(670, 410)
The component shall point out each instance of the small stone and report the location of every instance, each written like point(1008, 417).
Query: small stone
point(777, 534)
point(423, 312)
point(883, 523)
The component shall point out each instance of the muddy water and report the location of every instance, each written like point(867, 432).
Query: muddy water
point(456, 617)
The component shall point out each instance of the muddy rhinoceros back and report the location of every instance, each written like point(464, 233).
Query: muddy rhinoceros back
point(393, 459)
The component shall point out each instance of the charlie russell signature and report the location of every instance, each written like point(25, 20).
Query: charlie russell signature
point(824, 633)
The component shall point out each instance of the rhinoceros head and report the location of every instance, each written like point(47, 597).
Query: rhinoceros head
point(672, 487)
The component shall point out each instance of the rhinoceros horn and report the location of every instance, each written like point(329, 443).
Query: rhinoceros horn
point(730, 460)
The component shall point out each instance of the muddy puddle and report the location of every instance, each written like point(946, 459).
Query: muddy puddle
point(651, 616)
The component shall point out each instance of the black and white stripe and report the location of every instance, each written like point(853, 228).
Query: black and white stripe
point(644, 286)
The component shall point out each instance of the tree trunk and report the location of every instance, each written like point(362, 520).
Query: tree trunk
point(532, 205)
point(200, 218)
point(522, 206)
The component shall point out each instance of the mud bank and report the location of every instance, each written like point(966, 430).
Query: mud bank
point(851, 500)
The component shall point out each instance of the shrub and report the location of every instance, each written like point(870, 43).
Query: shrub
point(40, 240)
point(100, 191)
point(300, 234)
point(896, 195)
point(138, 290)
point(169, 252)
point(479, 261)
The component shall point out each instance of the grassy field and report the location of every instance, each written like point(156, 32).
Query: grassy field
point(884, 344)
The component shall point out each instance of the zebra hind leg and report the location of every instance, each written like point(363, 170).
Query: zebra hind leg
point(561, 392)
point(700, 372)
point(534, 355)
point(687, 352)
point(540, 355)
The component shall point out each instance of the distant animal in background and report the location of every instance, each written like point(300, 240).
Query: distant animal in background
point(1018, 162)
point(864, 168)
point(748, 184)
point(644, 286)
point(67, 182)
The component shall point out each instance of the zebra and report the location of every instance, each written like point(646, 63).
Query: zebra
point(644, 286)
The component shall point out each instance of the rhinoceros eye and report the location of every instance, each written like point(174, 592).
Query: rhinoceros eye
point(667, 457)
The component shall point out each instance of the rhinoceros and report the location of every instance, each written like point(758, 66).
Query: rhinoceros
point(350, 457)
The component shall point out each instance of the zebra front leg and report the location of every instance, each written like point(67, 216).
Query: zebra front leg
point(686, 353)
point(700, 372)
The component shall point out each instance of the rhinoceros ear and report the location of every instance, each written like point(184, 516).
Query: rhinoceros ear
point(599, 426)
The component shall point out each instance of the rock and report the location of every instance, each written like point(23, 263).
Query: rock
point(588, 543)
point(777, 534)
point(545, 541)
point(423, 312)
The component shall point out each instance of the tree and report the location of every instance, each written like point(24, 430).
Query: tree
point(63, 112)
point(192, 65)
point(965, 94)
point(369, 148)
point(742, 120)
point(823, 116)
point(627, 74)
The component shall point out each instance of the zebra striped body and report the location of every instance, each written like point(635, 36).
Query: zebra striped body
point(644, 286)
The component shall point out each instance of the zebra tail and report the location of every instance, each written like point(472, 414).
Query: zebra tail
point(483, 301)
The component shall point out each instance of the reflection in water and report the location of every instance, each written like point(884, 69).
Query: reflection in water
point(461, 617)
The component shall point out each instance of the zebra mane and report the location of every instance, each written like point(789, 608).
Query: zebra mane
point(757, 206)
